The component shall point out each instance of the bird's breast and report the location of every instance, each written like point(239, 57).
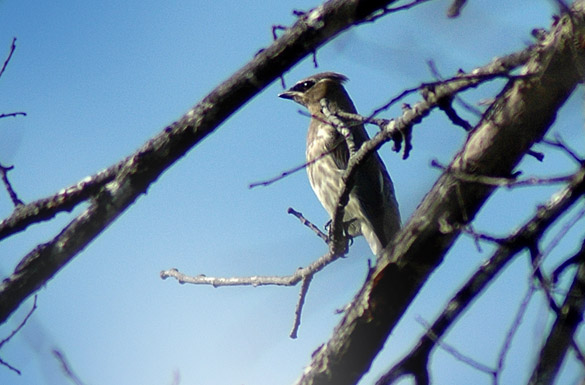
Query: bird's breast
point(323, 170)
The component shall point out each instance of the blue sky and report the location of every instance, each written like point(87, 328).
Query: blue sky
point(98, 79)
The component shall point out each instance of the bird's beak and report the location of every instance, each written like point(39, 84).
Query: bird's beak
point(286, 95)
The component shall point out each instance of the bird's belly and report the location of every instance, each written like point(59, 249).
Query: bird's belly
point(325, 179)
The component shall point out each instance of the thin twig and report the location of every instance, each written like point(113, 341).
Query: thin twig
point(13, 333)
point(293, 170)
point(435, 72)
point(562, 332)
point(334, 120)
point(275, 37)
point(502, 181)
point(309, 224)
point(400, 130)
point(387, 11)
point(12, 114)
point(536, 257)
point(394, 100)
point(284, 174)
point(302, 295)
point(6, 364)
point(499, 67)
point(468, 229)
point(563, 267)
point(447, 107)
point(512, 332)
point(453, 351)
point(455, 8)
point(22, 323)
point(4, 174)
point(12, 48)
point(554, 242)
point(67, 370)
point(65, 200)
point(417, 359)
point(559, 143)
point(288, 280)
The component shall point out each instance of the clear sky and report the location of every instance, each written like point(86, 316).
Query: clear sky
point(98, 79)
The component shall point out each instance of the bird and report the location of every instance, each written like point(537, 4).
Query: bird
point(372, 209)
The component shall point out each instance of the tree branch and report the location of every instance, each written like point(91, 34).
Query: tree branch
point(309, 224)
point(4, 175)
point(560, 337)
point(400, 131)
point(65, 200)
point(508, 182)
point(12, 115)
point(545, 216)
point(14, 332)
point(302, 294)
point(12, 48)
point(312, 29)
point(519, 117)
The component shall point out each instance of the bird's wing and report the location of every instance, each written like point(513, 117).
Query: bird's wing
point(374, 190)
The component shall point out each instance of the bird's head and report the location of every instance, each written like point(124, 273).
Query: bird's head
point(309, 92)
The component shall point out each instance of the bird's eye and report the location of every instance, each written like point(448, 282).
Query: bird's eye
point(302, 87)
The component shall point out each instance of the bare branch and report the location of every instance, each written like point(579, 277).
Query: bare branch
point(499, 67)
point(446, 106)
point(554, 242)
point(455, 353)
point(469, 230)
point(545, 216)
point(288, 280)
point(340, 126)
point(4, 174)
point(400, 130)
point(284, 174)
point(388, 10)
point(12, 48)
point(302, 274)
point(22, 323)
point(561, 337)
point(10, 367)
point(435, 71)
point(455, 8)
point(502, 181)
point(14, 332)
point(512, 332)
point(65, 200)
point(309, 224)
point(291, 171)
point(514, 122)
point(303, 293)
point(311, 30)
point(558, 142)
point(569, 261)
point(275, 37)
point(12, 114)
point(67, 370)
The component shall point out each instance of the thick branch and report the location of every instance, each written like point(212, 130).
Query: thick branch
point(65, 200)
point(416, 361)
point(560, 337)
point(313, 29)
point(521, 115)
